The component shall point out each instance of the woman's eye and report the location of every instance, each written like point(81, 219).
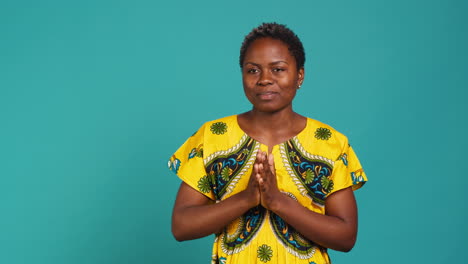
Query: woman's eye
point(252, 70)
point(278, 69)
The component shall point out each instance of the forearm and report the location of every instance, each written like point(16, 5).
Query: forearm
point(195, 221)
point(326, 230)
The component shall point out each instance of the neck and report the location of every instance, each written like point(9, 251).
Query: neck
point(276, 121)
point(272, 128)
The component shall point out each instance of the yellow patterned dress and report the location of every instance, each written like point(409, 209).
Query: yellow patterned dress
point(217, 161)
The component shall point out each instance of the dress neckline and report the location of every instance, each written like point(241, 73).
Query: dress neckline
point(236, 121)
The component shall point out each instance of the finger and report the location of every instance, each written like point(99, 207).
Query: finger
point(266, 161)
point(271, 162)
point(261, 184)
point(257, 159)
point(259, 179)
point(265, 165)
point(260, 168)
point(261, 156)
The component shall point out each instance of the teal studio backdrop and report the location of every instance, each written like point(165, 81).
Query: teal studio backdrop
point(95, 96)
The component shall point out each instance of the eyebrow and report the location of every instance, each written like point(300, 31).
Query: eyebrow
point(272, 63)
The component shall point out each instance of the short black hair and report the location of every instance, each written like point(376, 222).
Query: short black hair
point(275, 31)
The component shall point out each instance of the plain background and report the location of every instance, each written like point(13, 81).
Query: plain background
point(95, 96)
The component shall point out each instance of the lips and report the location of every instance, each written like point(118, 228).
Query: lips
point(268, 95)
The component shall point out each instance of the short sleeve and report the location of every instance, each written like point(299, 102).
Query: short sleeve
point(187, 163)
point(347, 171)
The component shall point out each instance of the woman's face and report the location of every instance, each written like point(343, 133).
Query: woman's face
point(270, 75)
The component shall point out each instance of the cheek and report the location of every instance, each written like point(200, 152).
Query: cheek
point(288, 83)
point(248, 84)
point(248, 79)
point(289, 89)
point(249, 91)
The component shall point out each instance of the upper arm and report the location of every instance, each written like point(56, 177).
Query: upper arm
point(188, 197)
point(342, 204)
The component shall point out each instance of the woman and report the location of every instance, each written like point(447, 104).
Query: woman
point(274, 186)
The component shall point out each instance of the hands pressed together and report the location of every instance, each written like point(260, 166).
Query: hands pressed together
point(263, 188)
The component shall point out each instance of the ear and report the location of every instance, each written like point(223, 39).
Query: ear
point(300, 77)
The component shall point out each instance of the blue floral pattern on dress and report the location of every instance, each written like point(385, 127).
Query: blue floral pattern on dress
point(357, 177)
point(196, 152)
point(314, 174)
point(249, 225)
point(224, 168)
point(344, 157)
point(174, 164)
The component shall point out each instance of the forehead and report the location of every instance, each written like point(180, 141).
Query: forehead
point(268, 50)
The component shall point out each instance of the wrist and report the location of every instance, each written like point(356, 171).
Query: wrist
point(278, 202)
point(247, 199)
point(274, 202)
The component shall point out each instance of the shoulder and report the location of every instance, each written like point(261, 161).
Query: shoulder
point(225, 129)
point(220, 126)
point(324, 131)
point(320, 133)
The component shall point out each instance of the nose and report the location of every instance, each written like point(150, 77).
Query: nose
point(264, 78)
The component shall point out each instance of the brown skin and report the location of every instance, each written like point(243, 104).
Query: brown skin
point(270, 79)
